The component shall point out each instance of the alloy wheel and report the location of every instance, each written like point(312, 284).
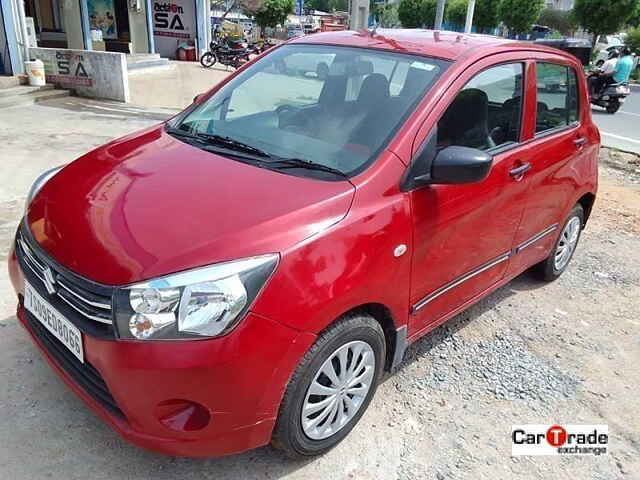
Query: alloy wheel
point(567, 243)
point(338, 390)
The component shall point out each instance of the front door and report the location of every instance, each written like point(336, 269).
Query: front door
point(463, 234)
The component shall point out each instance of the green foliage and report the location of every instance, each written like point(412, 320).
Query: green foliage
point(457, 12)
point(634, 19)
point(429, 12)
point(338, 5)
point(322, 5)
point(329, 5)
point(603, 17)
point(274, 12)
point(386, 15)
point(633, 40)
point(410, 13)
point(519, 15)
point(558, 20)
point(485, 16)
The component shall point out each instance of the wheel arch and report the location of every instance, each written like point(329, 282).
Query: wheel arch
point(395, 336)
point(586, 201)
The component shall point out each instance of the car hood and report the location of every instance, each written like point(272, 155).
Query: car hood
point(148, 205)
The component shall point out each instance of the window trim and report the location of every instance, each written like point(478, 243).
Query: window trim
point(505, 147)
point(562, 128)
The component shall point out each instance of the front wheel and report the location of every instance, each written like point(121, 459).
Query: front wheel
point(331, 388)
point(613, 106)
point(556, 263)
point(208, 59)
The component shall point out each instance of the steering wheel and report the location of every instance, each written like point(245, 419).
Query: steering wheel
point(283, 109)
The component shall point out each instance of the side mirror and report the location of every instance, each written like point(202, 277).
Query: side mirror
point(452, 164)
point(198, 97)
point(460, 165)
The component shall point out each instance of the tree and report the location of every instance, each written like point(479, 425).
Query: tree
point(429, 12)
point(519, 15)
point(600, 17)
point(634, 19)
point(410, 13)
point(322, 5)
point(485, 16)
point(558, 20)
point(633, 40)
point(274, 12)
point(457, 12)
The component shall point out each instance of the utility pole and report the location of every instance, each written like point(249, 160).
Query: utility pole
point(439, 14)
point(470, 8)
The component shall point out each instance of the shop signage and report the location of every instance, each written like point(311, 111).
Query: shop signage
point(174, 23)
point(89, 73)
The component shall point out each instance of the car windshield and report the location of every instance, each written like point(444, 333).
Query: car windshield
point(335, 107)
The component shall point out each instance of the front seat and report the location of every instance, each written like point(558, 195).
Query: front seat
point(465, 123)
point(370, 112)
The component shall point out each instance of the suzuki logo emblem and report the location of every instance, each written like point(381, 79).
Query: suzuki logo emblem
point(49, 281)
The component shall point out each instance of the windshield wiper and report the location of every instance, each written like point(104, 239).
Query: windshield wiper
point(231, 144)
point(219, 140)
point(283, 163)
point(179, 132)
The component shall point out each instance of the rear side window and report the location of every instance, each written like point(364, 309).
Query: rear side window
point(558, 101)
point(486, 113)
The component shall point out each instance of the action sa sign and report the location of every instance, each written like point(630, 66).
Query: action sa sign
point(174, 22)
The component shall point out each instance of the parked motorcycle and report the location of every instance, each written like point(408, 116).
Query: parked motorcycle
point(232, 54)
point(611, 96)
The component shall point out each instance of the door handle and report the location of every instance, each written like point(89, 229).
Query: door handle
point(580, 142)
point(519, 171)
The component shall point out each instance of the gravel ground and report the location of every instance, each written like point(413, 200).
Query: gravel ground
point(564, 352)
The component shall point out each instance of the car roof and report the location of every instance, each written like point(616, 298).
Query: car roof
point(434, 43)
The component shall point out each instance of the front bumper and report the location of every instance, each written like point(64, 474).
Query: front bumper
point(239, 379)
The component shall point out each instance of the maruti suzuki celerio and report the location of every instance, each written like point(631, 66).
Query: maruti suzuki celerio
point(244, 272)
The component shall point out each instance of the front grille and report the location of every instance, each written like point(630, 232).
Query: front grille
point(84, 374)
point(91, 305)
point(86, 304)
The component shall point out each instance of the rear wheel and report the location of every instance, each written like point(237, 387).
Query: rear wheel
point(331, 388)
point(564, 248)
point(613, 106)
point(208, 59)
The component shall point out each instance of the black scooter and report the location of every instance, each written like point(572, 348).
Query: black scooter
point(611, 96)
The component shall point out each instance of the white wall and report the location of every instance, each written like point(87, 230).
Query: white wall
point(138, 28)
point(72, 23)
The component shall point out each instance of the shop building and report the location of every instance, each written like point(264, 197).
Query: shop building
point(125, 26)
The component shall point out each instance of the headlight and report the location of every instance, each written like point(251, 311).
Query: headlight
point(204, 302)
point(39, 183)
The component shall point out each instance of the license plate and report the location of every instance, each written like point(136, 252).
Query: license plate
point(60, 327)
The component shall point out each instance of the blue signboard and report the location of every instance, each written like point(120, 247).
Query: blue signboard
point(299, 7)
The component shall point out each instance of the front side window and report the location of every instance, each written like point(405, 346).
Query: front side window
point(327, 105)
point(487, 112)
point(558, 101)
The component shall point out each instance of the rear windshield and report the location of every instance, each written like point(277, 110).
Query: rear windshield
point(328, 105)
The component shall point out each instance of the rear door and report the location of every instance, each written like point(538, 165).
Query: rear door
point(463, 233)
point(557, 156)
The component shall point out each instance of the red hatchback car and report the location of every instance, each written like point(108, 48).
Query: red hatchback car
point(243, 273)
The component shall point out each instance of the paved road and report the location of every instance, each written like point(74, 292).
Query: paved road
point(621, 130)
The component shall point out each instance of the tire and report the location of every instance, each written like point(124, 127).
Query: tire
point(599, 63)
point(351, 333)
point(549, 269)
point(208, 59)
point(613, 106)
